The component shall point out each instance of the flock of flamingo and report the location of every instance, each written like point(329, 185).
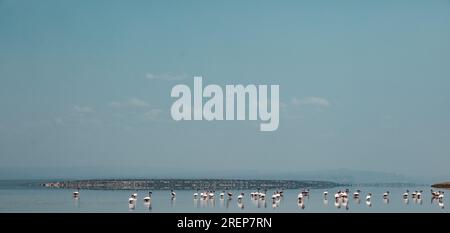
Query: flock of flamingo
point(341, 198)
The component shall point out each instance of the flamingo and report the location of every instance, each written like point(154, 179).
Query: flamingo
point(148, 198)
point(76, 194)
point(132, 200)
point(337, 195)
point(406, 194)
point(419, 194)
point(262, 196)
point(434, 194)
point(356, 194)
point(305, 192)
point(300, 197)
point(274, 197)
point(369, 196)
point(344, 194)
point(240, 197)
point(196, 194)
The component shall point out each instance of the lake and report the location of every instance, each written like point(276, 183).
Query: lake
point(37, 199)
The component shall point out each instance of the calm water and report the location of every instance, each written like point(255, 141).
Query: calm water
point(60, 200)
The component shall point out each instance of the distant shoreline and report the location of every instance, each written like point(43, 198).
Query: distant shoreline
point(189, 184)
point(443, 185)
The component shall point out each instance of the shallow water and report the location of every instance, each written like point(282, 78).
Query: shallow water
point(61, 200)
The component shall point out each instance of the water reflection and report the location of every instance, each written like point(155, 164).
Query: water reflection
point(345, 203)
point(342, 201)
point(441, 204)
point(148, 205)
point(240, 204)
point(418, 200)
point(76, 202)
point(406, 201)
point(317, 200)
point(228, 203)
point(173, 201)
point(113, 201)
point(337, 204)
point(301, 204)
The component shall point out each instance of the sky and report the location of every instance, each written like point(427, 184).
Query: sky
point(85, 87)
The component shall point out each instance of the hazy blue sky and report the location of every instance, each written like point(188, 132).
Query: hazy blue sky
point(85, 86)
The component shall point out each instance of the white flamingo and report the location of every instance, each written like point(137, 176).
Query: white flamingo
point(196, 194)
point(434, 194)
point(240, 197)
point(356, 194)
point(343, 194)
point(148, 198)
point(369, 196)
point(406, 194)
point(337, 195)
point(305, 192)
point(262, 196)
point(419, 194)
point(300, 197)
point(76, 194)
point(132, 200)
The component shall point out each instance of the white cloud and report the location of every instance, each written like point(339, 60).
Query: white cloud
point(132, 102)
point(166, 77)
point(82, 109)
point(153, 114)
point(313, 100)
